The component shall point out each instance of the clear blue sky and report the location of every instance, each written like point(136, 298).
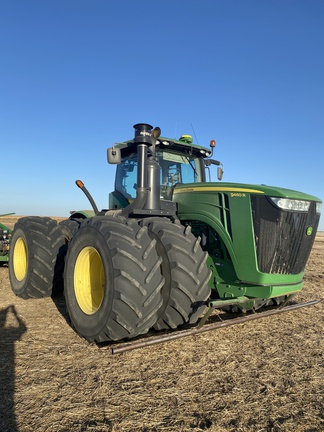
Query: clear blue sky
point(76, 75)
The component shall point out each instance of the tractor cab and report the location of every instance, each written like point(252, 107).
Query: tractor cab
point(174, 168)
point(180, 162)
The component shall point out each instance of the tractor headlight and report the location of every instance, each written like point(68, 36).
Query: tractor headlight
point(318, 207)
point(291, 204)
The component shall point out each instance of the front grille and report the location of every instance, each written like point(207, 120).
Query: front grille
point(282, 245)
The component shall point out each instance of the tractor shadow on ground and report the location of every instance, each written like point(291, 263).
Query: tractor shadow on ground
point(12, 327)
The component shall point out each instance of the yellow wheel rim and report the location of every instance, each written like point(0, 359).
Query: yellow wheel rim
point(89, 280)
point(20, 259)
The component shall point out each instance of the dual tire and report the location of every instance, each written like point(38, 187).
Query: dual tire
point(120, 277)
point(186, 274)
point(36, 257)
point(112, 279)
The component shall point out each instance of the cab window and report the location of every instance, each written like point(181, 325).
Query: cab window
point(175, 168)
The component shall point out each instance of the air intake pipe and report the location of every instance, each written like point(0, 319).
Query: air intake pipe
point(148, 170)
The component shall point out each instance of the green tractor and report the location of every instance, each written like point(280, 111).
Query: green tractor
point(170, 244)
point(5, 234)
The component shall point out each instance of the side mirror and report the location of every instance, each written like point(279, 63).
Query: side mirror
point(113, 155)
point(220, 173)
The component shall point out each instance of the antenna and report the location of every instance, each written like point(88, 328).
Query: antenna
point(193, 130)
point(176, 130)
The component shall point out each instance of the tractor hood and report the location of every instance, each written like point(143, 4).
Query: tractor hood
point(241, 190)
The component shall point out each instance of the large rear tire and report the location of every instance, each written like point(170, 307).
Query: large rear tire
point(36, 257)
point(185, 271)
point(69, 227)
point(112, 279)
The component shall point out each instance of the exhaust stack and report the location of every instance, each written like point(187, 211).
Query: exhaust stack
point(147, 201)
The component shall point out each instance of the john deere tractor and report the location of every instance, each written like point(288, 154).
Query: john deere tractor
point(170, 244)
point(5, 234)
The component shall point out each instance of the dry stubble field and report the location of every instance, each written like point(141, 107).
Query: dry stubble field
point(264, 375)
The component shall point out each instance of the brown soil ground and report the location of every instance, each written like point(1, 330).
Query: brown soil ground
point(264, 375)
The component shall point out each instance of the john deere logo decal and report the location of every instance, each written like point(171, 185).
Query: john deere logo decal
point(309, 231)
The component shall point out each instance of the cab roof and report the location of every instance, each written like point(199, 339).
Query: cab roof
point(163, 143)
